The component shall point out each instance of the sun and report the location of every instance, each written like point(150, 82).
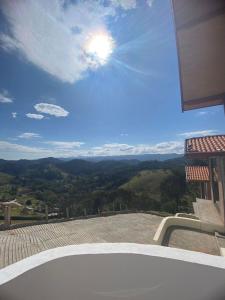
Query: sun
point(100, 46)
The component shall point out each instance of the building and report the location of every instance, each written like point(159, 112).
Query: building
point(200, 31)
point(212, 150)
point(199, 174)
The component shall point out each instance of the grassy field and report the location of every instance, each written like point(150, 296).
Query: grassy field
point(147, 182)
point(5, 178)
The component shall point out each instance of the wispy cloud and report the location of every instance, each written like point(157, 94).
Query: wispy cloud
point(202, 113)
point(17, 151)
point(64, 25)
point(5, 97)
point(124, 134)
point(150, 2)
point(35, 116)
point(198, 133)
point(65, 145)
point(126, 149)
point(76, 149)
point(206, 112)
point(51, 109)
point(14, 115)
point(124, 4)
point(29, 135)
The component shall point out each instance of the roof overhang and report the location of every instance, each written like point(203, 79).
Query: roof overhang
point(201, 155)
point(197, 173)
point(205, 147)
point(200, 32)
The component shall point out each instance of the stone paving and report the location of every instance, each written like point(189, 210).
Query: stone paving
point(191, 240)
point(140, 228)
point(19, 243)
point(221, 240)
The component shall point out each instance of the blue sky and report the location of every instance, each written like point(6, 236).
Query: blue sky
point(59, 99)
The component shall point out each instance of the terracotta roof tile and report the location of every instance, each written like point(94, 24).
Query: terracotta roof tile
point(214, 144)
point(197, 173)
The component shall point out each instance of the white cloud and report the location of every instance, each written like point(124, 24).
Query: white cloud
point(125, 149)
point(124, 4)
point(65, 145)
point(14, 115)
point(74, 149)
point(150, 2)
point(17, 151)
point(51, 109)
point(7, 42)
point(52, 34)
point(124, 134)
point(29, 135)
point(5, 97)
point(202, 113)
point(35, 116)
point(198, 133)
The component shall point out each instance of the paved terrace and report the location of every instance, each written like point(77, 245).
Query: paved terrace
point(196, 240)
point(19, 243)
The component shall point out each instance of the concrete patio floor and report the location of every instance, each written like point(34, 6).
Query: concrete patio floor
point(190, 239)
point(19, 243)
point(139, 228)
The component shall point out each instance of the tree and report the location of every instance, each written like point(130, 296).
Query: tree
point(28, 202)
point(172, 189)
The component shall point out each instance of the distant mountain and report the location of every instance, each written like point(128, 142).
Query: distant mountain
point(104, 183)
point(141, 157)
point(88, 166)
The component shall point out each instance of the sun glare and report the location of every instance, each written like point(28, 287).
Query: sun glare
point(101, 46)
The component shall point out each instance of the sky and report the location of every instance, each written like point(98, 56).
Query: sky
point(92, 78)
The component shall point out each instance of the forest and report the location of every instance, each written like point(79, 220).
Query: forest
point(80, 187)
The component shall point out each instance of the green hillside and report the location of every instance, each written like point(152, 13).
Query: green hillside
point(147, 182)
point(5, 178)
point(91, 187)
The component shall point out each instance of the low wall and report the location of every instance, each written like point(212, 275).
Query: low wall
point(102, 214)
point(184, 222)
point(189, 216)
point(222, 252)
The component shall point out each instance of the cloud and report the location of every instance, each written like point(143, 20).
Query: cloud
point(150, 2)
point(198, 133)
point(5, 97)
point(124, 134)
point(64, 26)
point(17, 151)
point(35, 116)
point(202, 113)
point(14, 115)
point(125, 149)
point(8, 43)
point(74, 149)
point(124, 4)
point(51, 109)
point(29, 135)
point(65, 145)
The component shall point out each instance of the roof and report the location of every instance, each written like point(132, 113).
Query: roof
point(200, 31)
point(197, 173)
point(204, 147)
point(12, 203)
